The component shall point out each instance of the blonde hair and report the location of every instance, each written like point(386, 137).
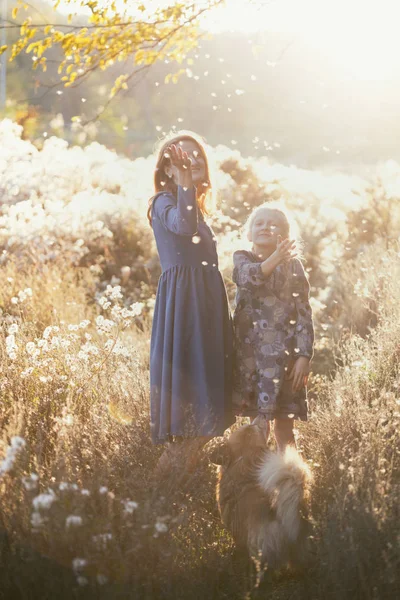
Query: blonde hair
point(290, 227)
point(162, 182)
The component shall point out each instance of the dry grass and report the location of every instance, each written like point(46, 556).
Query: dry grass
point(74, 388)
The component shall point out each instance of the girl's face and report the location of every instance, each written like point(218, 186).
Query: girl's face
point(198, 165)
point(266, 227)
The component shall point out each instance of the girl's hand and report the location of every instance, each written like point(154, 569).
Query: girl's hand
point(285, 249)
point(181, 165)
point(299, 373)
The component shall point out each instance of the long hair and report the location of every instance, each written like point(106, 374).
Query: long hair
point(163, 183)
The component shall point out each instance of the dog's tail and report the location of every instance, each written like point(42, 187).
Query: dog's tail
point(285, 478)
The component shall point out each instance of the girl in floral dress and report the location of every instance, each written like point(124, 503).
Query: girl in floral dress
point(274, 332)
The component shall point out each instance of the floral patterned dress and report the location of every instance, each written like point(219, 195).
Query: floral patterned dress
point(273, 326)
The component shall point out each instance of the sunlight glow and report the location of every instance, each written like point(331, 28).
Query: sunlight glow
point(359, 36)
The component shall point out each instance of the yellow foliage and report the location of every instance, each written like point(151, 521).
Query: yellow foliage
point(169, 32)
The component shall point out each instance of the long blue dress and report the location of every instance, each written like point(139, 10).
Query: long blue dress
point(191, 341)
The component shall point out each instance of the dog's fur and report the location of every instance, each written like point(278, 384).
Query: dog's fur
point(262, 498)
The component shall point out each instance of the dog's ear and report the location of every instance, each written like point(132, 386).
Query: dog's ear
point(219, 453)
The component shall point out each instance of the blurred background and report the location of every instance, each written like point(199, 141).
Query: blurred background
point(309, 83)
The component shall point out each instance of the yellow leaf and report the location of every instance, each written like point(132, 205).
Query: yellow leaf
point(14, 12)
point(3, 49)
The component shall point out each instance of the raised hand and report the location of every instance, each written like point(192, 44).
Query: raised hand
point(181, 165)
point(285, 249)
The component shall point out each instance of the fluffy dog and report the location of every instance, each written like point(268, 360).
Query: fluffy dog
point(262, 498)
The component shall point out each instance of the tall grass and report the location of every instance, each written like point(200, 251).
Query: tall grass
point(81, 514)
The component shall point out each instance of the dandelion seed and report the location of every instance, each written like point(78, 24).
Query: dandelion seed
point(297, 350)
point(196, 239)
point(295, 294)
point(189, 207)
point(292, 322)
point(103, 490)
point(204, 263)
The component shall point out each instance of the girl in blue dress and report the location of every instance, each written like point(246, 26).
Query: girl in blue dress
point(191, 341)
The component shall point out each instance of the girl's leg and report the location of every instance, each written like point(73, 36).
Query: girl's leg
point(284, 434)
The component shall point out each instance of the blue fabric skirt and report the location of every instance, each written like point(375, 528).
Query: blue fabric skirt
point(191, 355)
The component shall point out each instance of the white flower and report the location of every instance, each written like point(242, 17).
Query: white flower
point(30, 482)
point(47, 332)
point(103, 489)
point(44, 501)
point(37, 520)
point(79, 563)
point(65, 486)
point(11, 346)
point(13, 328)
point(85, 492)
point(136, 308)
point(10, 340)
point(73, 521)
point(17, 442)
point(161, 527)
point(129, 506)
point(30, 347)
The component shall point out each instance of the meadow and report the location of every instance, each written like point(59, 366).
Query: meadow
point(80, 513)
